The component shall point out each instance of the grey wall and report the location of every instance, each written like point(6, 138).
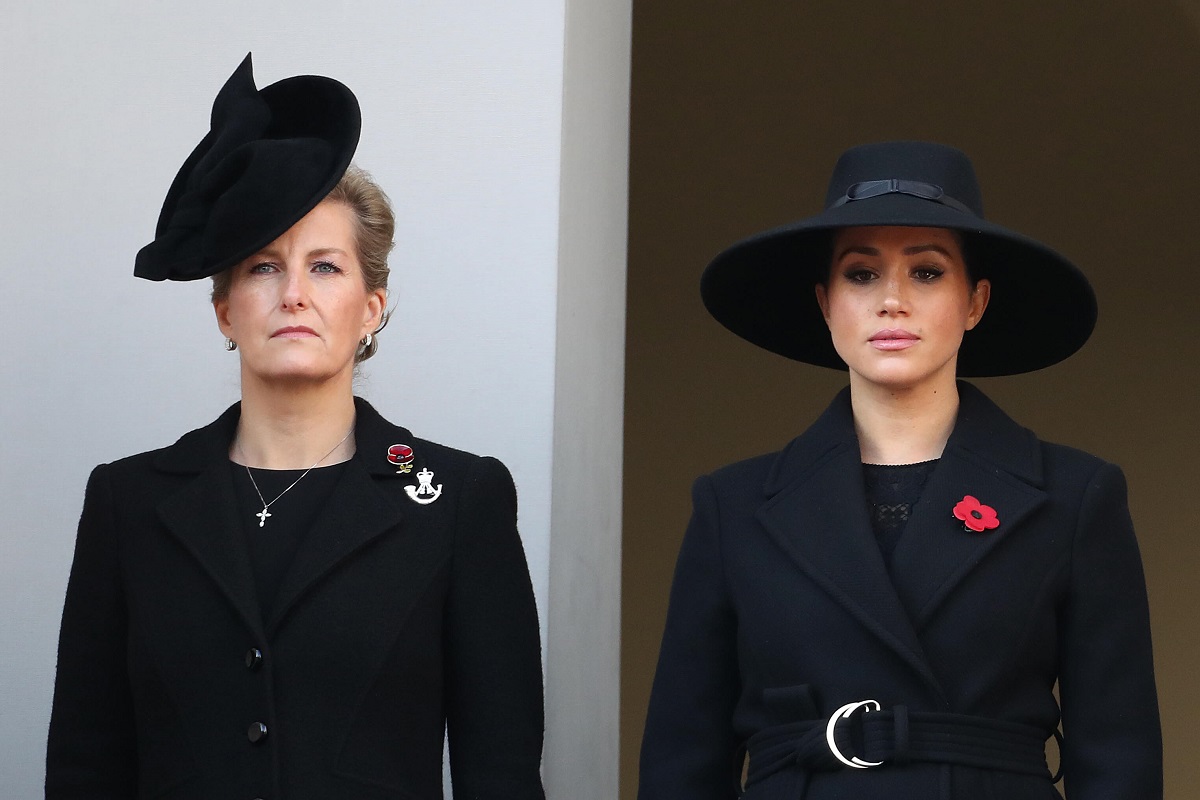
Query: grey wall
point(583, 687)
point(463, 107)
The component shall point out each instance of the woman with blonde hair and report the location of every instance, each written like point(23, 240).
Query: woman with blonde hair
point(300, 599)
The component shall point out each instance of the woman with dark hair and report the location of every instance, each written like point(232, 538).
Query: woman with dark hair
point(300, 599)
point(884, 608)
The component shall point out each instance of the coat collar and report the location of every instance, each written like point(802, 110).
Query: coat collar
point(815, 508)
point(203, 514)
point(981, 430)
point(197, 450)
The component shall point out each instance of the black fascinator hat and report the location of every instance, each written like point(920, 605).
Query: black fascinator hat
point(1042, 308)
point(270, 157)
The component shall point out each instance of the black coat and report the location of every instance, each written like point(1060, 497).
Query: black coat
point(782, 610)
point(394, 620)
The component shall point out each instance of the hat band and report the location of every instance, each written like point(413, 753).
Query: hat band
point(925, 191)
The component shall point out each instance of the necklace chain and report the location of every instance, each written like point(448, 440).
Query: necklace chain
point(262, 515)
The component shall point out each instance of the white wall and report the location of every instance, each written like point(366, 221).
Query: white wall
point(462, 125)
point(583, 679)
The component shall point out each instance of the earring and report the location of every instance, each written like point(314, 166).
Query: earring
point(366, 341)
point(230, 345)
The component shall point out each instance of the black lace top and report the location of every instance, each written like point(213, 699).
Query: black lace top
point(892, 491)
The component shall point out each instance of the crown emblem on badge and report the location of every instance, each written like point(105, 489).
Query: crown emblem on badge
point(423, 492)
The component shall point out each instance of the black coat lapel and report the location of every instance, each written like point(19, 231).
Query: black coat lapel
point(817, 513)
point(989, 457)
point(357, 513)
point(359, 510)
point(202, 515)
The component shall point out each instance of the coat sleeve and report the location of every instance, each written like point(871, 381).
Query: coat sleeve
point(494, 669)
point(1112, 740)
point(689, 748)
point(91, 752)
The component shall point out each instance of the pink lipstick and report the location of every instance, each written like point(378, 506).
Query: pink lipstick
point(294, 332)
point(893, 339)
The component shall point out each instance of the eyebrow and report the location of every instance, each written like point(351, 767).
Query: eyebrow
point(267, 252)
point(908, 251)
point(325, 251)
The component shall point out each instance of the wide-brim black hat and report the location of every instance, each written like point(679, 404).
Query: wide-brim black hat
point(1042, 308)
point(270, 157)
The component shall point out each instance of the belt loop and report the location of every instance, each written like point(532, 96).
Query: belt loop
point(900, 728)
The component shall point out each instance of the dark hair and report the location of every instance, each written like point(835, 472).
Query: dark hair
point(968, 243)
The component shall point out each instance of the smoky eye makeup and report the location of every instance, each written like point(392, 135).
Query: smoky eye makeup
point(855, 274)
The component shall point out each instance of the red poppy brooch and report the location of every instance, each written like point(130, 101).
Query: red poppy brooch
point(401, 457)
point(975, 515)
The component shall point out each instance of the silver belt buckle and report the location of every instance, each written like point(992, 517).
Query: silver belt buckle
point(844, 713)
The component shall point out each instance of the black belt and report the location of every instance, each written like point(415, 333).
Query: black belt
point(897, 736)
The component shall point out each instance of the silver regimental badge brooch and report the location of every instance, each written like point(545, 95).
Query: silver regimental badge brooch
point(424, 493)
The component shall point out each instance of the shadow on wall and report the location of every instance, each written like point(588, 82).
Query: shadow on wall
point(1082, 124)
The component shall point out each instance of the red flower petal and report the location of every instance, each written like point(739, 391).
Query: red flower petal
point(976, 516)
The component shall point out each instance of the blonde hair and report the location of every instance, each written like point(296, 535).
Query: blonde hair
point(374, 227)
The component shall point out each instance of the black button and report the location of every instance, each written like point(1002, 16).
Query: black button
point(254, 658)
point(256, 732)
